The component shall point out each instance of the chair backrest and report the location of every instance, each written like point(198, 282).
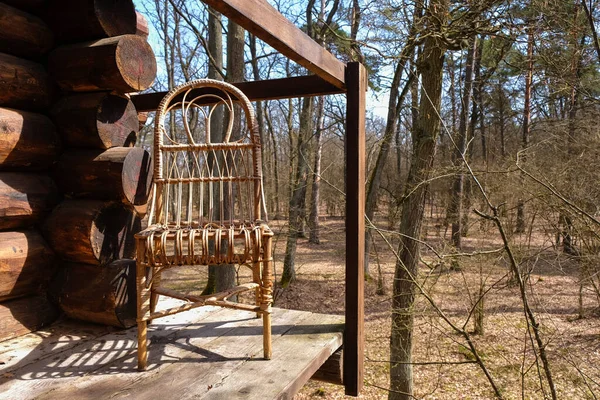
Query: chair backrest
point(204, 177)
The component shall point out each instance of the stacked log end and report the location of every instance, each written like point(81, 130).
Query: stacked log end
point(105, 295)
point(70, 179)
point(29, 146)
point(101, 56)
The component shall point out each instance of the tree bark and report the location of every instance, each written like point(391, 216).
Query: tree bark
point(316, 184)
point(526, 132)
point(298, 197)
point(28, 141)
point(215, 48)
point(97, 120)
point(123, 63)
point(26, 264)
point(119, 173)
point(92, 231)
point(25, 199)
point(425, 137)
point(23, 34)
point(455, 207)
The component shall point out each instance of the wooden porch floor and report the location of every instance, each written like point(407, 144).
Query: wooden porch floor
point(206, 353)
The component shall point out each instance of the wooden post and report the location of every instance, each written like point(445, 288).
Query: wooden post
point(356, 84)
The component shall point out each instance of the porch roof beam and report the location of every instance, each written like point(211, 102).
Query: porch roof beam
point(272, 89)
point(263, 20)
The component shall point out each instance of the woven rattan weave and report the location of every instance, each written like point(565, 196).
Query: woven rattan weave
point(207, 203)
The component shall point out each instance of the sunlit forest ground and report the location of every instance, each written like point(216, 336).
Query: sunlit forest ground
point(445, 368)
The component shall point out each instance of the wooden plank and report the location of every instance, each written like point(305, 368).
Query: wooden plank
point(63, 366)
point(194, 354)
point(354, 336)
point(194, 367)
point(332, 370)
point(271, 89)
point(288, 370)
point(263, 20)
point(59, 337)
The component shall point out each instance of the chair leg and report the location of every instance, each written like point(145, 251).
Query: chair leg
point(257, 291)
point(154, 296)
point(267, 294)
point(142, 345)
point(267, 335)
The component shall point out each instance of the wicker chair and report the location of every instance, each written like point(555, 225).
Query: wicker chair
point(206, 204)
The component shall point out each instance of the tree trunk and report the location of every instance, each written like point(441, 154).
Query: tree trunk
point(316, 184)
point(298, 197)
point(425, 136)
point(215, 48)
point(394, 108)
point(226, 274)
point(455, 207)
point(520, 224)
point(475, 115)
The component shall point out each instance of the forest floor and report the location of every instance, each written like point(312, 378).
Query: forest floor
point(445, 367)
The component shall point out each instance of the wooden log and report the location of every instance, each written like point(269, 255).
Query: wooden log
point(26, 264)
point(332, 371)
point(23, 34)
point(142, 25)
point(119, 173)
point(92, 231)
point(22, 316)
point(25, 199)
point(123, 63)
point(28, 141)
point(23, 84)
point(100, 120)
point(34, 6)
point(104, 295)
point(80, 20)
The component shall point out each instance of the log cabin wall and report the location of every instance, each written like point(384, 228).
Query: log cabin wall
point(70, 178)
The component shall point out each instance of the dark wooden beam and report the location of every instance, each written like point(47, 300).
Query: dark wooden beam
point(354, 337)
point(263, 20)
point(300, 86)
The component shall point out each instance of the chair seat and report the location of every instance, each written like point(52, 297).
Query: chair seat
point(211, 244)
